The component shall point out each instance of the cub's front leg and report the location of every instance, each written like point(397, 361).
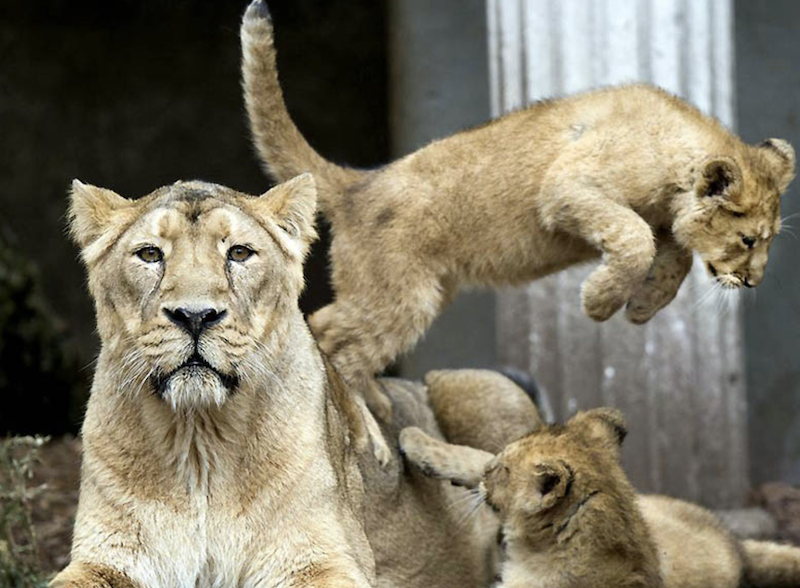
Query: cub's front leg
point(89, 575)
point(671, 265)
point(624, 238)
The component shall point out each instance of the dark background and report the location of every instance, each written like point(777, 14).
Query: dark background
point(131, 96)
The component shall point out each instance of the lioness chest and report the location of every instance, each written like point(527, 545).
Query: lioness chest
point(204, 546)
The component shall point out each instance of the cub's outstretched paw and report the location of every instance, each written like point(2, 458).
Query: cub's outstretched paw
point(601, 295)
point(645, 303)
point(417, 447)
point(659, 288)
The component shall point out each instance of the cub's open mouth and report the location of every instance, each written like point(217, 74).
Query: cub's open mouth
point(198, 364)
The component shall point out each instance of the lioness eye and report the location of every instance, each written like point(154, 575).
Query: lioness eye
point(749, 241)
point(239, 253)
point(150, 254)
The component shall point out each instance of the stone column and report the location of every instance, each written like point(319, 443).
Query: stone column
point(439, 86)
point(678, 379)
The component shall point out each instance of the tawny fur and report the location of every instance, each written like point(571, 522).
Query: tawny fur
point(202, 481)
point(480, 408)
point(424, 534)
point(588, 528)
point(632, 174)
point(197, 485)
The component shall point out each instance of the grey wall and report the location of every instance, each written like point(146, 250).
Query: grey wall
point(768, 94)
point(439, 85)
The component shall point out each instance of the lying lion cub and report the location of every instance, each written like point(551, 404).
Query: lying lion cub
point(570, 517)
point(217, 446)
point(632, 173)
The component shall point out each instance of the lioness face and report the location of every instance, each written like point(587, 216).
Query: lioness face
point(734, 212)
point(195, 283)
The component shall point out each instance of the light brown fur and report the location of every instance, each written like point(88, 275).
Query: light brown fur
point(420, 530)
point(632, 174)
point(188, 483)
point(189, 477)
point(570, 516)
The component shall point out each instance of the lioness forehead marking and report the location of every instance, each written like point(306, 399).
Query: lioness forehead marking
point(169, 224)
point(193, 195)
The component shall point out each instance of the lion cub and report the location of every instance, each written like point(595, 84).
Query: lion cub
point(570, 517)
point(632, 174)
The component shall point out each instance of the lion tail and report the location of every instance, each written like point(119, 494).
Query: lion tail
point(771, 565)
point(280, 145)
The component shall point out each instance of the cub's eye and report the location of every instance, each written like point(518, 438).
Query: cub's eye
point(749, 241)
point(240, 253)
point(150, 254)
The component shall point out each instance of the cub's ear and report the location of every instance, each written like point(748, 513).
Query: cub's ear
point(781, 158)
point(92, 210)
point(292, 206)
point(551, 479)
point(720, 177)
point(462, 465)
point(604, 425)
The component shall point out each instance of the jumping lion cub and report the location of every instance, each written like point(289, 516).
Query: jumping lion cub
point(632, 174)
point(570, 517)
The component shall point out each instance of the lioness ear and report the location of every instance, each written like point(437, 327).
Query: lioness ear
point(604, 425)
point(91, 211)
point(292, 205)
point(720, 177)
point(462, 465)
point(782, 160)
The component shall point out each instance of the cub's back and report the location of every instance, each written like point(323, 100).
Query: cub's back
point(694, 548)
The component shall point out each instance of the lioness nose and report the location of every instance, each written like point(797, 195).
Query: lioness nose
point(195, 321)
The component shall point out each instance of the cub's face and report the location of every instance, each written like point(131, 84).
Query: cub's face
point(539, 482)
point(734, 212)
point(195, 284)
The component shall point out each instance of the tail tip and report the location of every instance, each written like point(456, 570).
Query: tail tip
point(257, 9)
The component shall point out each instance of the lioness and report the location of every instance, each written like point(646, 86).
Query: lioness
point(217, 447)
point(218, 444)
point(631, 173)
point(570, 517)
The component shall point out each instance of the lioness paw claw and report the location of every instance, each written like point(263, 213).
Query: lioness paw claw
point(381, 451)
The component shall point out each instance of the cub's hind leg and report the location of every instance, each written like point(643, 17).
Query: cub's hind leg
point(480, 408)
point(364, 330)
point(670, 267)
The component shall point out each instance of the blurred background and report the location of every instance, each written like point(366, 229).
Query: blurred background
point(132, 95)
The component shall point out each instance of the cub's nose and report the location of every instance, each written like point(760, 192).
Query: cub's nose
point(195, 321)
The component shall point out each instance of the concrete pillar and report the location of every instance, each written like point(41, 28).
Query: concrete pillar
point(438, 86)
point(768, 105)
point(678, 379)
